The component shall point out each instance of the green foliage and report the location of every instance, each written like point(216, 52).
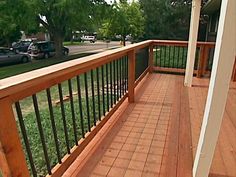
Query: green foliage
point(125, 19)
point(9, 28)
point(166, 19)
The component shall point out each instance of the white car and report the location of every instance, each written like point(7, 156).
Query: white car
point(92, 39)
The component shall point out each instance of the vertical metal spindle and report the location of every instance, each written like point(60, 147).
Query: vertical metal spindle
point(93, 99)
point(87, 100)
point(52, 119)
point(120, 85)
point(80, 106)
point(73, 112)
point(165, 57)
point(114, 81)
point(161, 47)
point(123, 75)
point(178, 48)
point(183, 54)
point(107, 90)
point(173, 59)
point(98, 94)
point(103, 92)
point(169, 56)
point(41, 134)
point(126, 74)
point(64, 118)
point(25, 138)
point(117, 80)
point(111, 84)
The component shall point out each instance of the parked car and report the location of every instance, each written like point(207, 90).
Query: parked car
point(23, 45)
point(44, 49)
point(92, 39)
point(8, 56)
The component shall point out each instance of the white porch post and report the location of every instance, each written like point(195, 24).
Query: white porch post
point(218, 89)
point(192, 43)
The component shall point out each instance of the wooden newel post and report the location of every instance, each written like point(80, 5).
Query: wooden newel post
point(131, 76)
point(203, 59)
point(13, 160)
point(150, 63)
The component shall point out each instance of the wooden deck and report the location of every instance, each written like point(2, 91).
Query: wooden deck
point(158, 134)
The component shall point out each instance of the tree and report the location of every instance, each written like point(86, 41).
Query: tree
point(166, 19)
point(9, 28)
point(57, 17)
point(124, 19)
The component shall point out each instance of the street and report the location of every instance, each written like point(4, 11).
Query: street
point(98, 46)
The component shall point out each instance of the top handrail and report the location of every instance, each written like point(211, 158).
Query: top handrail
point(22, 85)
point(17, 86)
point(182, 43)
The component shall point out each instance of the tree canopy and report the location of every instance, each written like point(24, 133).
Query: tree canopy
point(124, 19)
point(166, 19)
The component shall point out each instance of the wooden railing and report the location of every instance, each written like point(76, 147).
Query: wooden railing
point(48, 116)
point(171, 56)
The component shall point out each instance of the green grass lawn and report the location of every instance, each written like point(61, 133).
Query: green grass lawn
point(172, 57)
point(69, 43)
point(7, 71)
point(31, 124)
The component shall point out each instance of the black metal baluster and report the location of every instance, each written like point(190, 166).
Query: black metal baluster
point(87, 101)
point(107, 90)
point(40, 128)
point(165, 57)
point(123, 75)
point(169, 47)
point(64, 118)
point(161, 47)
point(117, 80)
point(111, 85)
point(73, 111)
point(93, 99)
point(52, 119)
point(114, 81)
point(26, 140)
point(120, 85)
point(80, 106)
point(182, 66)
point(178, 48)
point(126, 74)
point(173, 58)
point(98, 94)
point(103, 92)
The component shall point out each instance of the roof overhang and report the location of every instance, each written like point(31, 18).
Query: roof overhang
point(211, 7)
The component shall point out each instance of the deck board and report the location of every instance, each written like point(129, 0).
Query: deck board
point(158, 134)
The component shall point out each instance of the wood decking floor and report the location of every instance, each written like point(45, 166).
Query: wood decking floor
point(158, 134)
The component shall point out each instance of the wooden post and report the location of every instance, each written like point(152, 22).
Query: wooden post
point(234, 71)
point(218, 89)
point(202, 61)
point(10, 141)
point(192, 44)
point(151, 58)
point(131, 76)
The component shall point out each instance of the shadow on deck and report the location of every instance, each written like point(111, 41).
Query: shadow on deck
point(157, 135)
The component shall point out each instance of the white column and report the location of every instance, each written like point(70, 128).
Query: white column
point(192, 43)
point(218, 89)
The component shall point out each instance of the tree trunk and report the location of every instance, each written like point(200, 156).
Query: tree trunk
point(123, 38)
point(58, 40)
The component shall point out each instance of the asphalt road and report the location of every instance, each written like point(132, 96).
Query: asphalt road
point(98, 46)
